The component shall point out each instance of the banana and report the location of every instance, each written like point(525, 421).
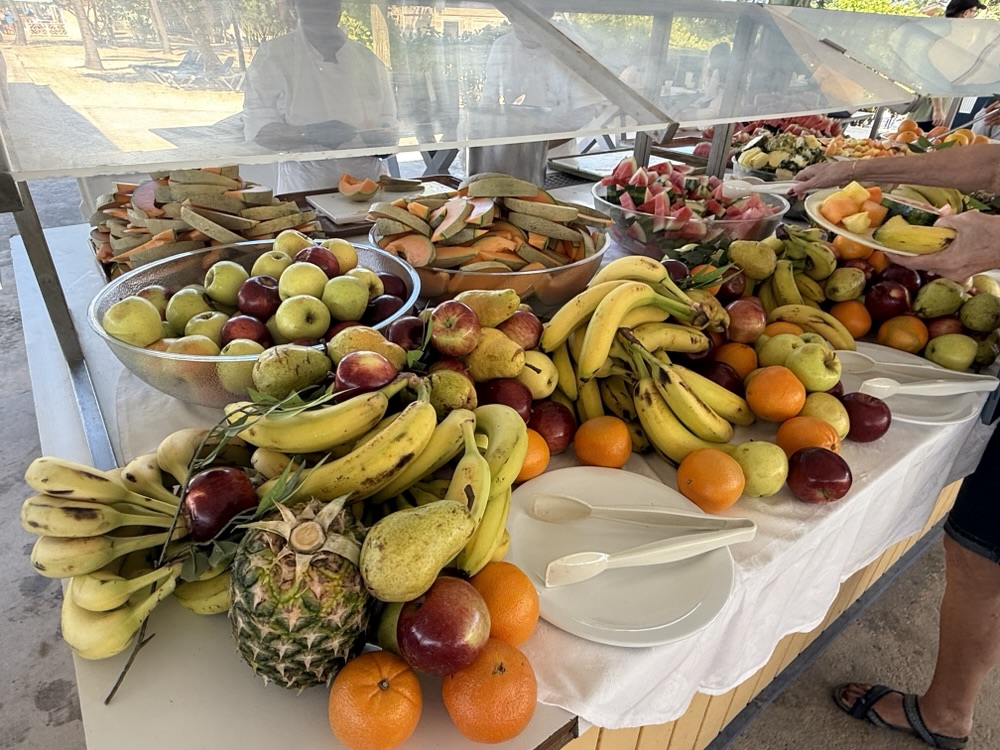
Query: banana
point(786, 292)
point(207, 597)
point(765, 292)
point(574, 343)
point(103, 590)
point(59, 557)
point(617, 397)
point(471, 479)
point(445, 443)
point(560, 397)
point(269, 462)
point(664, 430)
point(575, 313)
point(644, 314)
point(631, 268)
point(716, 318)
point(508, 442)
point(98, 635)
point(817, 321)
point(503, 548)
point(671, 336)
point(368, 468)
point(479, 550)
point(588, 402)
point(401, 502)
point(142, 475)
point(565, 371)
point(809, 289)
point(67, 479)
point(316, 430)
point(417, 495)
point(728, 405)
point(820, 261)
point(694, 413)
point(64, 517)
point(640, 443)
point(176, 451)
point(774, 243)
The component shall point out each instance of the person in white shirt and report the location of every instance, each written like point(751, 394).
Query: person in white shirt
point(314, 88)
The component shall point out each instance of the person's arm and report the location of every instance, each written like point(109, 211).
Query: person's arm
point(975, 167)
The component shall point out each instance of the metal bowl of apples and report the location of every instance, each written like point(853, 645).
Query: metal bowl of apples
point(190, 365)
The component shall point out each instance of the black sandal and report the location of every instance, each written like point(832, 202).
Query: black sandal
point(863, 708)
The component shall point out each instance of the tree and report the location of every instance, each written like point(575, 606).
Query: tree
point(91, 55)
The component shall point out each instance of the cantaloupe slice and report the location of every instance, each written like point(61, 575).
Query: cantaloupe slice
point(357, 189)
point(415, 249)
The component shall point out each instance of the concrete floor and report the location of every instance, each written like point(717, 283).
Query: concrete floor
point(893, 641)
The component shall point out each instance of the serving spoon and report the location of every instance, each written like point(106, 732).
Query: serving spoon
point(886, 387)
point(554, 508)
point(857, 363)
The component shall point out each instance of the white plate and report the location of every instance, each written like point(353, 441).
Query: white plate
point(812, 204)
point(632, 607)
point(928, 410)
point(342, 210)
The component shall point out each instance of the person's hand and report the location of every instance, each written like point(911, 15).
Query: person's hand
point(994, 117)
point(973, 250)
point(827, 174)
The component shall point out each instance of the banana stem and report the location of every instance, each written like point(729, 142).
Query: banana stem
point(675, 291)
point(687, 312)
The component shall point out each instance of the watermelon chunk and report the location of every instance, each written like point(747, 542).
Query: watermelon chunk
point(640, 178)
point(625, 169)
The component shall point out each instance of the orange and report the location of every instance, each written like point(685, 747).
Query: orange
point(878, 261)
point(740, 357)
point(908, 126)
point(980, 138)
point(854, 315)
point(603, 441)
point(711, 479)
point(958, 137)
point(904, 332)
point(782, 326)
point(936, 130)
point(806, 432)
point(511, 599)
point(536, 460)
point(375, 702)
point(775, 394)
point(847, 249)
point(706, 268)
point(492, 699)
point(907, 137)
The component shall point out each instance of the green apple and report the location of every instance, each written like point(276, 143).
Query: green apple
point(207, 324)
point(184, 305)
point(346, 297)
point(539, 374)
point(371, 279)
point(271, 263)
point(272, 327)
point(290, 241)
point(158, 294)
point(344, 251)
point(223, 281)
point(133, 320)
point(302, 317)
point(196, 344)
point(815, 365)
point(302, 279)
point(776, 349)
point(765, 467)
point(237, 377)
point(830, 409)
point(814, 338)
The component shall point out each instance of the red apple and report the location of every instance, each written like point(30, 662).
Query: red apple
point(724, 374)
point(508, 391)
point(903, 275)
point(747, 320)
point(245, 327)
point(455, 328)
point(837, 390)
point(870, 416)
point(554, 422)
point(363, 371)
point(444, 629)
point(159, 295)
point(450, 363)
point(818, 475)
point(407, 331)
point(258, 296)
point(524, 328)
point(319, 256)
point(944, 324)
point(392, 284)
point(677, 269)
point(382, 307)
point(733, 287)
point(213, 497)
point(887, 299)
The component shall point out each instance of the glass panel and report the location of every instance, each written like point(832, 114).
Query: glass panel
point(933, 56)
point(152, 84)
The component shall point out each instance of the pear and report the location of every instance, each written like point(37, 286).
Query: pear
point(451, 390)
point(981, 313)
point(495, 356)
point(845, 283)
point(286, 368)
point(956, 351)
point(757, 259)
point(364, 338)
point(492, 306)
point(984, 284)
point(988, 349)
point(939, 297)
point(764, 465)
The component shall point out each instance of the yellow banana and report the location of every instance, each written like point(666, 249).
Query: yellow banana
point(588, 401)
point(640, 443)
point(61, 557)
point(64, 517)
point(786, 292)
point(631, 268)
point(728, 405)
point(503, 548)
point(471, 479)
point(565, 370)
point(206, 597)
point(560, 397)
point(765, 293)
point(644, 314)
point(820, 261)
point(694, 413)
point(715, 318)
point(142, 475)
point(817, 321)
point(810, 289)
point(617, 397)
point(508, 442)
point(446, 442)
point(664, 430)
point(575, 313)
point(574, 343)
point(269, 462)
point(479, 550)
point(671, 336)
point(103, 590)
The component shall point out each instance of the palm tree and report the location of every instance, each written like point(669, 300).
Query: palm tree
point(91, 55)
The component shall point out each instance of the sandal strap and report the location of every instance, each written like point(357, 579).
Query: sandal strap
point(916, 720)
point(863, 705)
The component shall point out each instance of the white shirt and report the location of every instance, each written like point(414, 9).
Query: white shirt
point(290, 83)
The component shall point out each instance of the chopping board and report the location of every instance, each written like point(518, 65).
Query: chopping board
point(343, 210)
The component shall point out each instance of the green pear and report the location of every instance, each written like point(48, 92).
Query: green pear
point(495, 356)
point(765, 467)
point(287, 368)
point(492, 306)
point(981, 313)
point(939, 297)
point(364, 338)
point(451, 390)
point(956, 351)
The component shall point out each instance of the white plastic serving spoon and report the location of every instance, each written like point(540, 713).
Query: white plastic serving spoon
point(886, 387)
point(857, 363)
point(564, 508)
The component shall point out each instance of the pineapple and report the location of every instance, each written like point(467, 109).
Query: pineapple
point(299, 605)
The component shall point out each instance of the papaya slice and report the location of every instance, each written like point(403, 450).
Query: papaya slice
point(357, 189)
point(415, 249)
point(453, 256)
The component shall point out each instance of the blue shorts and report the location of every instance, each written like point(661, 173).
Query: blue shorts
point(974, 521)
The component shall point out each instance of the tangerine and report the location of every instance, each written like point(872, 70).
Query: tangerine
point(908, 137)
point(492, 699)
point(740, 357)
point(848, 249)
point(806, 432)
point(711, 479)
point(375, 702)
point(536, 459)
point(980, 138)
point(775, 394)
point(706, 268)
point(878, 260)
point(603, 441)
point(908, 125)
point(511, 599)
point(854, 315)
point(782, 326)
point(904, 332)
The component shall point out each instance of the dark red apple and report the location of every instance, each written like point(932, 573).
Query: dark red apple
point(818, 475)
point(903, 275)
point(944, 324)
point(507, 391)
point(245, 327)
point(887, 299)
point(392, 284)
point(724, 374)
point(305, 341)
point(747, 320)
point(319, 256)
point(382, 307)
point(694, 360)
point(928, 276)
point(677, 269)
point(213, 497)
point(407, 331)
point(444, 629)
point(870, 416)
point(733, 287)
point(523, 328)
point(455, 328)
point(554, 422)
point(364, 371)
point(837, 390)
point(258, 296)
point(339, 326)
point(450, 363)
point(863, 265)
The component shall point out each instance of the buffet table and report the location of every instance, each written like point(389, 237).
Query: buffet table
point(190, 683)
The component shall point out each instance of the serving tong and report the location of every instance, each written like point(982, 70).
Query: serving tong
point(707, 533)
point(935, 381)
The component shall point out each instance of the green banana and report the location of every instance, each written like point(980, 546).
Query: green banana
point(765, 293)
